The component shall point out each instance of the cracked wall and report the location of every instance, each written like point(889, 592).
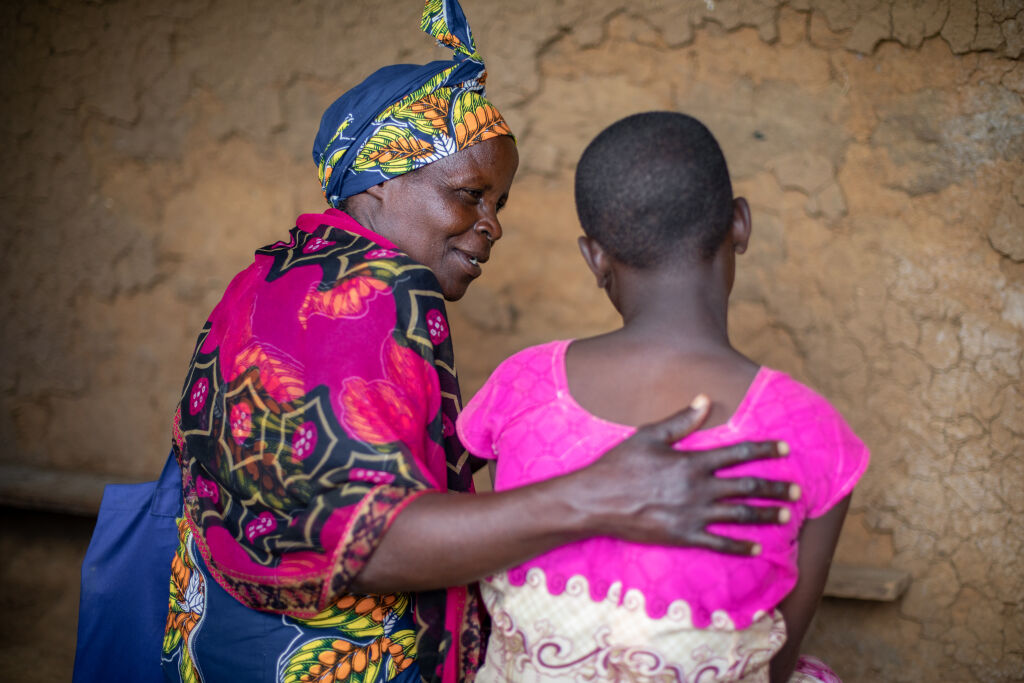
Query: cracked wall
point(151, 147)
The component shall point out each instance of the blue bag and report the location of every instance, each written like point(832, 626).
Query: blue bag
point(125, 579)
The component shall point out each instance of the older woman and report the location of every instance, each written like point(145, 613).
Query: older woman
point(329, 528)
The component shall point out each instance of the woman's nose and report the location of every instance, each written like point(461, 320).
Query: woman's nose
point(489, 225)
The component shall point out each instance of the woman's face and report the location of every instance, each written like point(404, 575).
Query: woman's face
point(445, 215)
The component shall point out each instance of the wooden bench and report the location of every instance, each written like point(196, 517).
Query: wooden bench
point(866, 583)
point(75, 493)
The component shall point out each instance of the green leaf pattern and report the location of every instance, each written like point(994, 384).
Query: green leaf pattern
point(393, 149)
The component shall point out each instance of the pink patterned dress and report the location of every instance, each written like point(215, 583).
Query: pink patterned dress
point(605, 609)
point(320, 400)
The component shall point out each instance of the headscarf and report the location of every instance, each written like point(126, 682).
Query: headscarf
point(405, 116)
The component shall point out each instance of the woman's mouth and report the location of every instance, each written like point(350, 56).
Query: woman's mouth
point(471, 264)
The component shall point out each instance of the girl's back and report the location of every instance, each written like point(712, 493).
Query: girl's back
point(617, 609)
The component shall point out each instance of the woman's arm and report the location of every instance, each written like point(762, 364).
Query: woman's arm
point(818, 539)
point(642, 490)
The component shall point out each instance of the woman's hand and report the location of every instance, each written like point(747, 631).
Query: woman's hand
point(642, 490)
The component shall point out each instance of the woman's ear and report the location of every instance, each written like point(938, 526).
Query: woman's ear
point(365, 207)
point(376, 191)
point(741, 225)
point(598, 260)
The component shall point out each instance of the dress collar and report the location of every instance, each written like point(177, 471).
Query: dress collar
point(309, 222)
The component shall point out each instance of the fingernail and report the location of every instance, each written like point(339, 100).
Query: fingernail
point(700, 402)
point(783, 448)
point(756, 549)
point(784, 515)
point(794, 491)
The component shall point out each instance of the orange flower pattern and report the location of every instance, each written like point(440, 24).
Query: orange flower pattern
point(379, 411)
point(349, 299)
point(279, 377)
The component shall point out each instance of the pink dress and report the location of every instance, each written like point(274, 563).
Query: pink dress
point(605, 609)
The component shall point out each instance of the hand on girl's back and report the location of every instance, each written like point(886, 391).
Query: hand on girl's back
point(645, 490)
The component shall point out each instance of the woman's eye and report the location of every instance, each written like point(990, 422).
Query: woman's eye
point(473, 193)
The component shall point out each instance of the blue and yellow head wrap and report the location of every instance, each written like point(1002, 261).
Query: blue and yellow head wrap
point(404, 116)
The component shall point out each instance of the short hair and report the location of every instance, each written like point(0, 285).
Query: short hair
point(653, 186)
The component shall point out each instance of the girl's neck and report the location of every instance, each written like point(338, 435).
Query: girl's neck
point(673, 345)
point(686, 309)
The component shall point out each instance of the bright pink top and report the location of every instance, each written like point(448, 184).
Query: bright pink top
point(526, 417)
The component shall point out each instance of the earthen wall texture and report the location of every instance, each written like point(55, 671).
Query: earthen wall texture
point(151, 147)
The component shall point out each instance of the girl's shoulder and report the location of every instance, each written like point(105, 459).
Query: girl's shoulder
point(777, 395)
point(521, 383)
point(538, 364)
point(824, 448)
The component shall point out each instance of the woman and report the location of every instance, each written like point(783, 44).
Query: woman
point(315, 432)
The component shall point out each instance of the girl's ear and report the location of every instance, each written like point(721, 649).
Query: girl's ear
point(598, 260)
point(741, 225)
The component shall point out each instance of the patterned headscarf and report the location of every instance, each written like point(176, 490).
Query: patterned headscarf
point(405, 116)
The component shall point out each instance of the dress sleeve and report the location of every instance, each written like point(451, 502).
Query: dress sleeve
point(844, 458)
point(313, 413)
point(480, 422)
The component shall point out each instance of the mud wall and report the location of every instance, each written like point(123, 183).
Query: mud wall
point(150, 147)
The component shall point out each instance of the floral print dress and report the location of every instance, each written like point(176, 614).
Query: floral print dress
point(320, 400)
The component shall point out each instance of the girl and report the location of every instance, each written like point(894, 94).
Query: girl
point(662, 231)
